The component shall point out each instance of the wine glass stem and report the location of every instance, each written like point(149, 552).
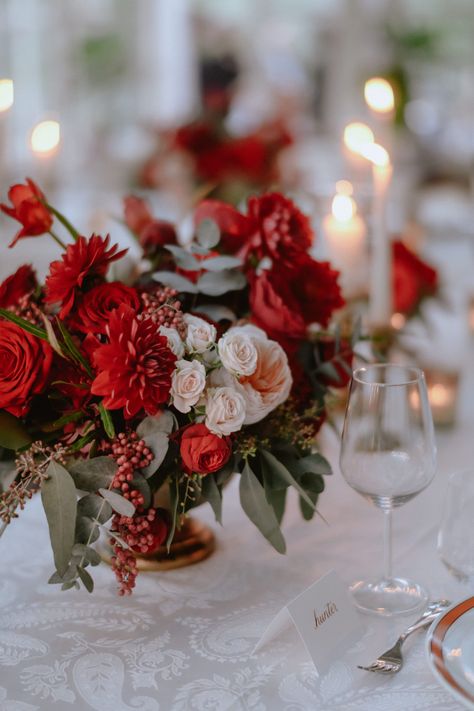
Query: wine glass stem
point(387, 544)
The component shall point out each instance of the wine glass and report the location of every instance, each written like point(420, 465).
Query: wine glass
point(455, 538)
point(388, 455)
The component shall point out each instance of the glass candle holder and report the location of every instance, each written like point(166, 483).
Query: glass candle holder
point(443, 395)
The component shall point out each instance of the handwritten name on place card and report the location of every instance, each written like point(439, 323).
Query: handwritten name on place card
point(325, 618)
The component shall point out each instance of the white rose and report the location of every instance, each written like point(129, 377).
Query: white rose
point(175, 343)
point(250, 330)
point(225, 411)
point(187, 384)
point(238, 352)
point(270, 384)
point(200, 334)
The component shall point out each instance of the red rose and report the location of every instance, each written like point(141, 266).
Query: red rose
point(248, 156)
point(25, 362)
point(202, 451)
point(28, 210)
point(413, 279)
point(19, 284)
point(285, 301)
point(274, 308)
point(93, 313)
point(83, 264)
point(232, 224)
point(135, 366)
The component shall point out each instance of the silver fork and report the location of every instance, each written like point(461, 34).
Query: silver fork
point(391, 661)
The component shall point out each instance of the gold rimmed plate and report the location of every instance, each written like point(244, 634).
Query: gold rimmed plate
point(450, 648)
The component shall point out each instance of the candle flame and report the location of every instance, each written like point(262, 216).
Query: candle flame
point(45, 137)
point(378, 94)
point(6, 94)
point(376, 154)
point(357, 135)
point(343, 208)
point(439, 394)
point(344, 187)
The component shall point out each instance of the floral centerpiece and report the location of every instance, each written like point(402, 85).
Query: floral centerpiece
point(113, 394)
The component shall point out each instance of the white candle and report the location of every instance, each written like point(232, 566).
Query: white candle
point(356, 136)
point(6, 102)
point(380, 305)
point(344, 234)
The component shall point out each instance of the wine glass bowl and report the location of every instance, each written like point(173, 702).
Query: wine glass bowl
point(388, 455)
point(455, 537)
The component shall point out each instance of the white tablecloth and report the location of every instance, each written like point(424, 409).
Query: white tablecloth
point(184, 639)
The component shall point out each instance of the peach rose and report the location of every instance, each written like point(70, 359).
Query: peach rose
point(270, 384)
point(225, 410)
point(237, 352)
point(188, 383)
point(200, 336)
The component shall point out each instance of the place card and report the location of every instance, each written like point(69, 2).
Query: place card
point(325, 618)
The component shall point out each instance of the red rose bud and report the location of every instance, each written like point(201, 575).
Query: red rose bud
point(202, 451)
point(25, 362)
point(28, 209)
point(19, 284)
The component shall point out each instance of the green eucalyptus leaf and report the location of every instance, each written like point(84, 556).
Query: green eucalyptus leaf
point(94, 507)
point(208, 233)
point(217, 264)
point(93, 474)
point(13, 434)
point(279, 471)
point(277, 500)
point(164, 422)
point(314, 464)
point(217, 313)
point(259, 511)
point(184, 259)
point(176, 281)
point(174, 501)
point(87, 531)
point(158, 443)
point(89, 554)
point(58, 494)
point(218, 283)
point(211, 492)
point(86, 579)
point(119, 504)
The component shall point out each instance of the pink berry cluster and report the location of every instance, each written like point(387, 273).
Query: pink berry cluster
point(124, 565)
point(142, 533)
point(28, 310)
point(164, 309)
point(130, 453)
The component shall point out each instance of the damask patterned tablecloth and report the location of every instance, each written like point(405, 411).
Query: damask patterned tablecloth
point(184, 640)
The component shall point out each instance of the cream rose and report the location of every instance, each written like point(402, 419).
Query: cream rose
point(175, 343)
point(225, 410)
point(270, 384)
point(237, 352)
point(200, 335)
point(187, 384)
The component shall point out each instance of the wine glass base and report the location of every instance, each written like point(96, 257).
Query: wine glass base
point(394, 596)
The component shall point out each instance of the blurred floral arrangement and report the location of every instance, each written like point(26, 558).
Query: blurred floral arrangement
point(118, 396)
point(228, 166)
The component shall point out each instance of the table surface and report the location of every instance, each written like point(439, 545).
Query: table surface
point(184, 640)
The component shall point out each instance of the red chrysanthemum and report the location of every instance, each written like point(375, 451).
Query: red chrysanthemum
point(93, 311)
point(273, 227)
point(19, 284)
point(28, 208)
point(135, 367)
point(82, 264)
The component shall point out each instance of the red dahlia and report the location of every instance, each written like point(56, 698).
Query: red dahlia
point(81, 264)
point(135, 366)
point(19, 284)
